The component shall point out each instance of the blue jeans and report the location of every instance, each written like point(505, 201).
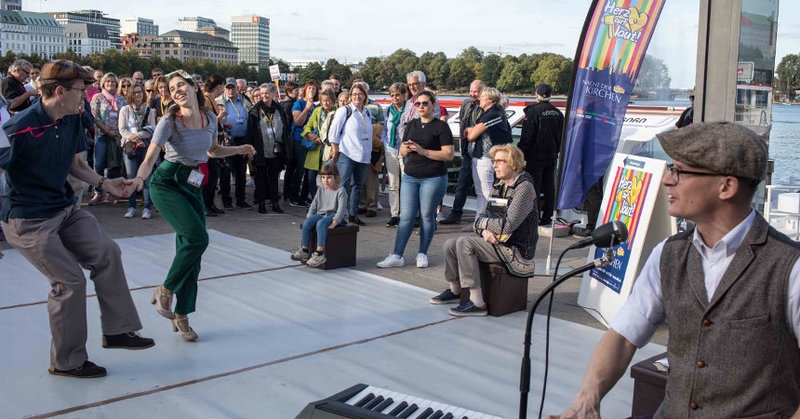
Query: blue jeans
point(352, 174)
point(131, 167)
point(321, 224)
point(418, 195)
point(100, 156)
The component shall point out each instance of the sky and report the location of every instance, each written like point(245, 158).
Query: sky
point(350, 30)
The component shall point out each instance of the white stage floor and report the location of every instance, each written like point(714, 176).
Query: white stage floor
point(274, 337)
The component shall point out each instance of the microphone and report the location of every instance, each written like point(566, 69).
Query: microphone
point(607, 235)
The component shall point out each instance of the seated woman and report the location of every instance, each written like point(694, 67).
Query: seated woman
point(508, 233)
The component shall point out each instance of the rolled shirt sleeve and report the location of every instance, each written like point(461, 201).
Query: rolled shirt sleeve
point(641, 315)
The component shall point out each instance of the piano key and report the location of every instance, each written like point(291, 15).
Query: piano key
point(353, 400)
point(437, 415)
point(409, 411)
point(369, 397)
point(425, 413)
point(398, 399)
point(382, 405)
point(374, 402)
point(397, 409)
point(449, 415)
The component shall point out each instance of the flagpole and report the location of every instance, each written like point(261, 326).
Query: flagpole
point(578, 51)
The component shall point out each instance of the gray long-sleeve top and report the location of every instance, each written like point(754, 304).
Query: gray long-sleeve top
point(329, 202)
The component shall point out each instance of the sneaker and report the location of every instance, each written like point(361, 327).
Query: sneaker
point(130, 340)
point(130, 213)
point(450, 219)
point(393, 222)
point(300, 255)
point(422, 260)
point(297, 203)
point(468, 309)
point(582, 232)
point(439, 216)
point(87, 370)
point(355, 220)
point(316, 260)
point(147, 214)
point(244, 205)
point(97, 199)
point(392, 261)
point(446, 297)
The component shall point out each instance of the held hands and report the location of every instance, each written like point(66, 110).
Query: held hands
point(122, 187)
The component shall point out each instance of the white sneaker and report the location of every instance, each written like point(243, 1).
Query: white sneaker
point(392, 261)
point(130, 213)
point(146, 214)
point(422, 260)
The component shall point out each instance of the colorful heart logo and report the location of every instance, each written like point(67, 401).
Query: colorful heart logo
point(636, 20)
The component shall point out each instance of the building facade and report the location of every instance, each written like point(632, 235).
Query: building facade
point(138, 43)
point(138, 25)
point(31, 33)
point(11, 4)
point(92, 16)
point(193, 23)
point(87, 38)
point(251, 35)
point(185, 45)
point(215, 31)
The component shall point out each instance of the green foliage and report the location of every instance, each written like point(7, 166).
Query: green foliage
point(312, 72)
point(332, 66)
point(787, 76)
point(512, 78)
point(554, 70)
point(491, 67)
point(462, 72)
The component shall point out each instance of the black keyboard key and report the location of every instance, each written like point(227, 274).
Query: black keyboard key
point(437, 415)
point(424, 415)
point(376, 401)
point(365, 400)
point(448, 416)
point(411, 409)
point(383, 405)
point(398, 409)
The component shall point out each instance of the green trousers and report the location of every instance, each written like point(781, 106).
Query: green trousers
point(181, 204)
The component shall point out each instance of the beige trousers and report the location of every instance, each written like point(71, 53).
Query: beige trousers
point(462, 257)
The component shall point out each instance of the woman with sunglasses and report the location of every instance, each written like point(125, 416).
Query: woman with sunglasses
point(149, 92)
point(136, 125)
point(427, 145)
point(106, 106)
point(124, 86)
point(188, 134)
point(489, 128)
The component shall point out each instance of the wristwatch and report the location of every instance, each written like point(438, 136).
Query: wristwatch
point(100, 183)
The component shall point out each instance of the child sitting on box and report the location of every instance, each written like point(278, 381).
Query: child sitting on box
point(327, 211)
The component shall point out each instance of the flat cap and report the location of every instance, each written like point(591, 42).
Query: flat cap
point(60, 71)
point(721, 147)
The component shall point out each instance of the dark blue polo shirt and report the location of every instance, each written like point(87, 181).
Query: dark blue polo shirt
point(37, 167)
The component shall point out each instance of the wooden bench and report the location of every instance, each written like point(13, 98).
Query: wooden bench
point(340, 246)
point(504, 293)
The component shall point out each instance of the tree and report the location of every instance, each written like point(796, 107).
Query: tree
point(788, 76)
point(312, 72)
point(471, 54)
point(332, 66)
point(511, 78)
point(461, 73)
point(554, 70)
point(404, 62)
point(490, 70)
point(653, 75)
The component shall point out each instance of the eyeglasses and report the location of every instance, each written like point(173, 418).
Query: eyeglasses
point(424, 103)
point(495, 161)
point(126, 85)
point(676, 173)
point(149, 90)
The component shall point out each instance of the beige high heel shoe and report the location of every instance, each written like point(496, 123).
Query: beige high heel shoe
point(181, 323)
point(163, 303)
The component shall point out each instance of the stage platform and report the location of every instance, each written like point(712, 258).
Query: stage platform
point(275, 336)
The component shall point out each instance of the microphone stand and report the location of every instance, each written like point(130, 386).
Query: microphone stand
point(525, 373)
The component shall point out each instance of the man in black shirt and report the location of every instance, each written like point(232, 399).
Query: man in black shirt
point(540, 142)
point(687, 117)
point(13, 87)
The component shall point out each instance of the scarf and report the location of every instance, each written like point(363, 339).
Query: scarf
point(395, 114)
point(112, 100)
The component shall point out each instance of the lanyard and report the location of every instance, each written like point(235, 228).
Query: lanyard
point(475, 118)
point(32, 129)
point(234, 107)
point(163, 111)
point(361, 117)
point(267, 117)
point(202, 121)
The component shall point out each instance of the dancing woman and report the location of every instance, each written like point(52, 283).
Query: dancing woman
point(188, 134)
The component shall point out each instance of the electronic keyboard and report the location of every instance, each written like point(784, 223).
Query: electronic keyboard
point(363, 401)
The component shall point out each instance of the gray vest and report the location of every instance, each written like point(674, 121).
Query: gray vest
point(736, 355)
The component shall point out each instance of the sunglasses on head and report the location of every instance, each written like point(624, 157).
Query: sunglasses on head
point(424, 103)
point(182, 74)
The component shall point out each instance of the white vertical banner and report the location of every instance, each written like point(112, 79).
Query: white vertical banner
point(634, 195)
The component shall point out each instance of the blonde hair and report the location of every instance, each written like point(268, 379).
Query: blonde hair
point(105, 79)
point(515, 157)
point(493, 94)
